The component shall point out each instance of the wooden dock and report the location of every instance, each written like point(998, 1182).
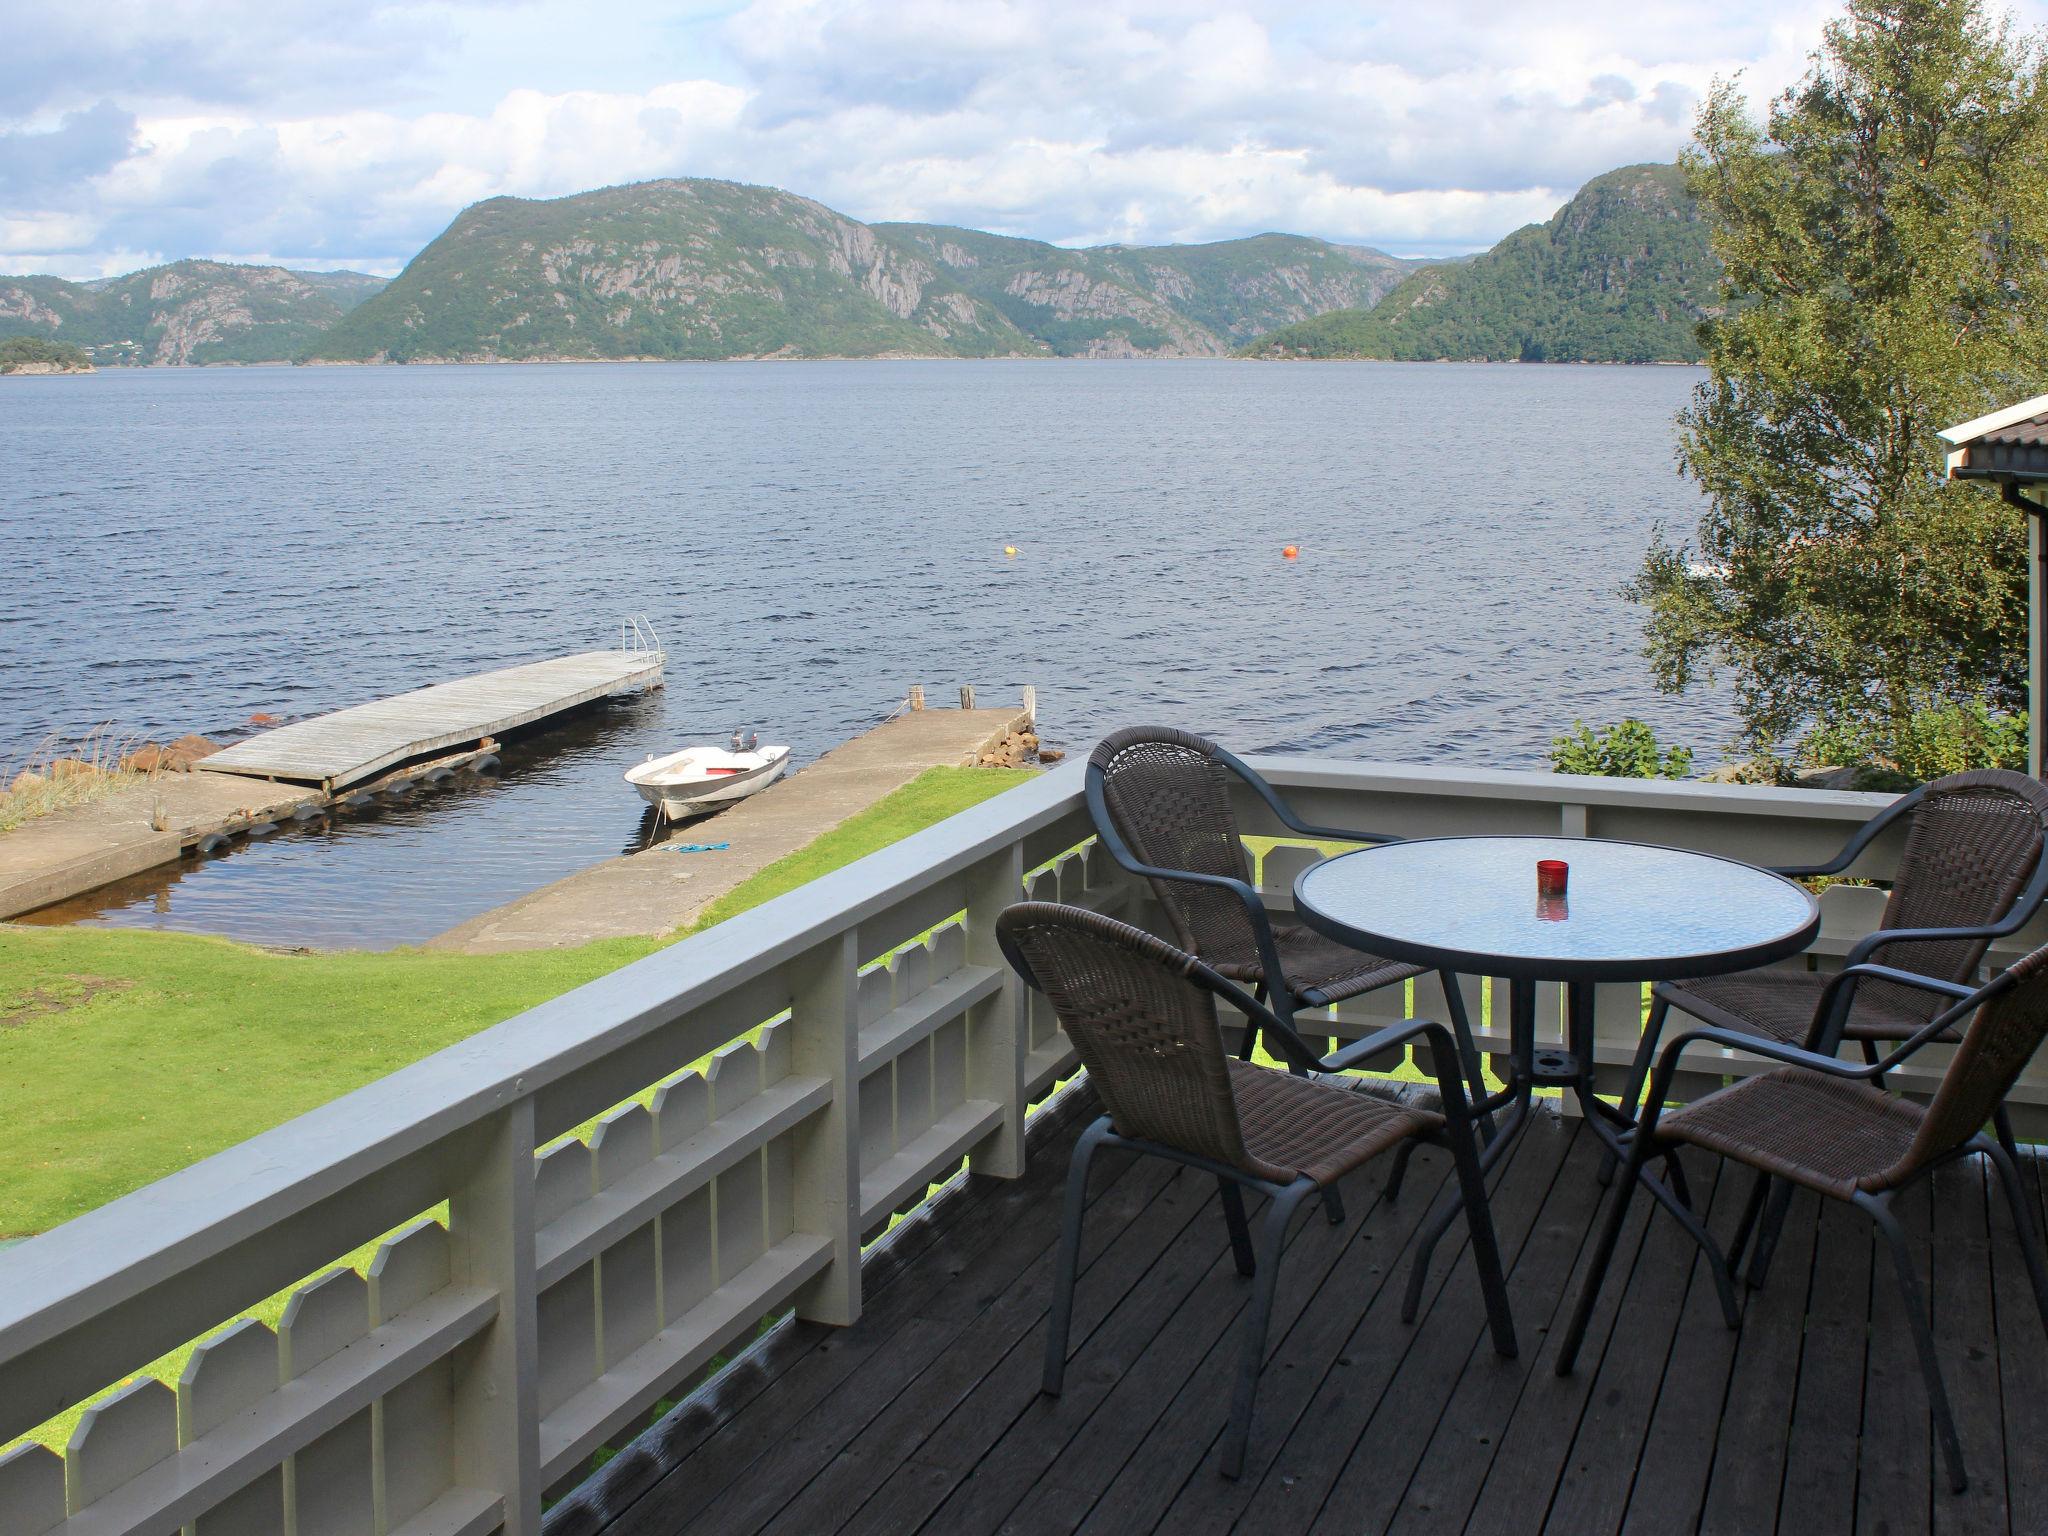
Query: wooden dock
point(350, 745)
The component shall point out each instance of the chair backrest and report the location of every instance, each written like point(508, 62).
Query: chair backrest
point(1144, 1028)
point(1972, 842)
point(1167, 793)
point(2000, 1040)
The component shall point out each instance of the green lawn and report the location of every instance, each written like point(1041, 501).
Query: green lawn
point(144, 1052)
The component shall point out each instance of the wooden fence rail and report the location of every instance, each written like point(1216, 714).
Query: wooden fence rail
point(857, 1038)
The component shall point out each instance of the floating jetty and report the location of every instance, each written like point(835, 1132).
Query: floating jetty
point(302, 767)
point(334, 751)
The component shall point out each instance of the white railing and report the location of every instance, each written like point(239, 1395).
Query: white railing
point(863, 1037)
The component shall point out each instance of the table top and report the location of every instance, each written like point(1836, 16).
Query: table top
point(1631, 912)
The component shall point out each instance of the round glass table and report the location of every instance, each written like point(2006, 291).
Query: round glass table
point(1629, 912)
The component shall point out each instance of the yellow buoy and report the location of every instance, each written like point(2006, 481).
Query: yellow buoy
point(1009, 549)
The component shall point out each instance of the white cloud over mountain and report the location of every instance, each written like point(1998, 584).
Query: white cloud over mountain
point(337, 136)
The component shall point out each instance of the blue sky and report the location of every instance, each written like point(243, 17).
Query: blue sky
point(324, 135)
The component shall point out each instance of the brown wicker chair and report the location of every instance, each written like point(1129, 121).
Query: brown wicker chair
point(1971, 871)
point(1142, 1016)
point(1823, 1124)
point(1160, 799)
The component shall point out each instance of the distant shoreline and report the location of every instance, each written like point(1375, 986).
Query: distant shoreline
point(900, 357)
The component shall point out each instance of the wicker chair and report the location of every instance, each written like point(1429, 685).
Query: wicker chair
point(1160, 799)
point(1971, 871)
point(1824, 1124)
point(1142, 1016)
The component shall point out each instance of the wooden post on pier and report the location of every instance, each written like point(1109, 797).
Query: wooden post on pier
point(967, 695)
point(917, 695)
point(1031, 704)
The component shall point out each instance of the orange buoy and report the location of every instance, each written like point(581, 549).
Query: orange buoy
point(1289, 552)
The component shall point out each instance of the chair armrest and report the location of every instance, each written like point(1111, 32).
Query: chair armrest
point(1872, 942)
point(1443, 1052)
point(1334, 834)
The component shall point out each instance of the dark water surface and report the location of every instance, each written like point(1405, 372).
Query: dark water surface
point(186, 547)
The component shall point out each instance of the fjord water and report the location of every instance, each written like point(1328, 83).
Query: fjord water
point(188, 547)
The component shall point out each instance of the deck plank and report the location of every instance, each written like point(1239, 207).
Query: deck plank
point(932, 1401)
point(1895, 1470)
point(925, 1415)
point(1356, 1421)
point(1748, 1476)
point(1959, 1289)
point(1107, 1405)
point(1506, 1483)
point(1599, 1469)
point(2022, 1363)
point(774, 1448)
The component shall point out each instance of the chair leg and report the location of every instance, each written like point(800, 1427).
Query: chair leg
point(1638, 1075)
point(1468, 1051)
point(1240, 1233)
point(1688, 1218)
point(1070, 1258)
point(1399, 1172)
point(1250, 1043)
point(1759, 1186)
point(2001, 1122)
point(2028, 1233)
point(1923, 1337)
point(1603, 1255)
point(1333, 1205)
point(1272, 1238)
point(1767, 1233)
point(1485, 1247)
point(1674, 1178)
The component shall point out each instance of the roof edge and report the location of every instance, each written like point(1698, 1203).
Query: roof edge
point(1963, 432)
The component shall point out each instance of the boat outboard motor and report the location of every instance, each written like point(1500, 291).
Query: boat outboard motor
point(737, 744)
point(753, 741)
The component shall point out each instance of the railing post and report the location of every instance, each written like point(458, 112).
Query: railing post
point(825, 1015)
point(497, 1375)
point(998, 1039)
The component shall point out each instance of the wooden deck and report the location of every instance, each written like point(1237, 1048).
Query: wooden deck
point(343, 748)
point(925, 1416)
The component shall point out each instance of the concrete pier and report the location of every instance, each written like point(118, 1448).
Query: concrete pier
point(660, 890)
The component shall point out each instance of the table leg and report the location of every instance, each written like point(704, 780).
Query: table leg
point(1606, 1121)
point(1515, 1097)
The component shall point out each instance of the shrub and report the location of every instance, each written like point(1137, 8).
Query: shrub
point(1628, 750)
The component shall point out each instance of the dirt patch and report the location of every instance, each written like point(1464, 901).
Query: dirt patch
point(67, 993)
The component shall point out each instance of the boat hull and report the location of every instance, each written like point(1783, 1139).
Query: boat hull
point(701, 796)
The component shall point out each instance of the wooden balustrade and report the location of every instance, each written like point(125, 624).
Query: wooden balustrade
point(764, 1097)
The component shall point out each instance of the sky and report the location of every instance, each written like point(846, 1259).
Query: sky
point(324, 136)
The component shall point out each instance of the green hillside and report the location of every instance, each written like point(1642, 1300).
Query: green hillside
point(1623, 273)
point(1172, 300)
point(187, 312)
point(667, 269)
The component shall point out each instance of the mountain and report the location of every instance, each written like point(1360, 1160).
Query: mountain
point(716, 269)
point(1623, 273)
point(187, 312)
point(1164, 300)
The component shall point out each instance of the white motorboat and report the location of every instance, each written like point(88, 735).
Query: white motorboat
point(699, 780)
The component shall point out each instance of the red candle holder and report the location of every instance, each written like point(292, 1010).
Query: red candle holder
point(1551, 875)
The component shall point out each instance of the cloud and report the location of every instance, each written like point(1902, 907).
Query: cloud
point(36, 167)
point(342, 135)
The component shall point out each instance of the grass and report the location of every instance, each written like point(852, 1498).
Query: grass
point(145, 1052)
point(52, 777)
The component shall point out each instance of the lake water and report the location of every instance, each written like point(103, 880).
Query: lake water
point(189, 547)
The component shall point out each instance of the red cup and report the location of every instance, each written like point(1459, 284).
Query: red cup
point(1550, 876)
